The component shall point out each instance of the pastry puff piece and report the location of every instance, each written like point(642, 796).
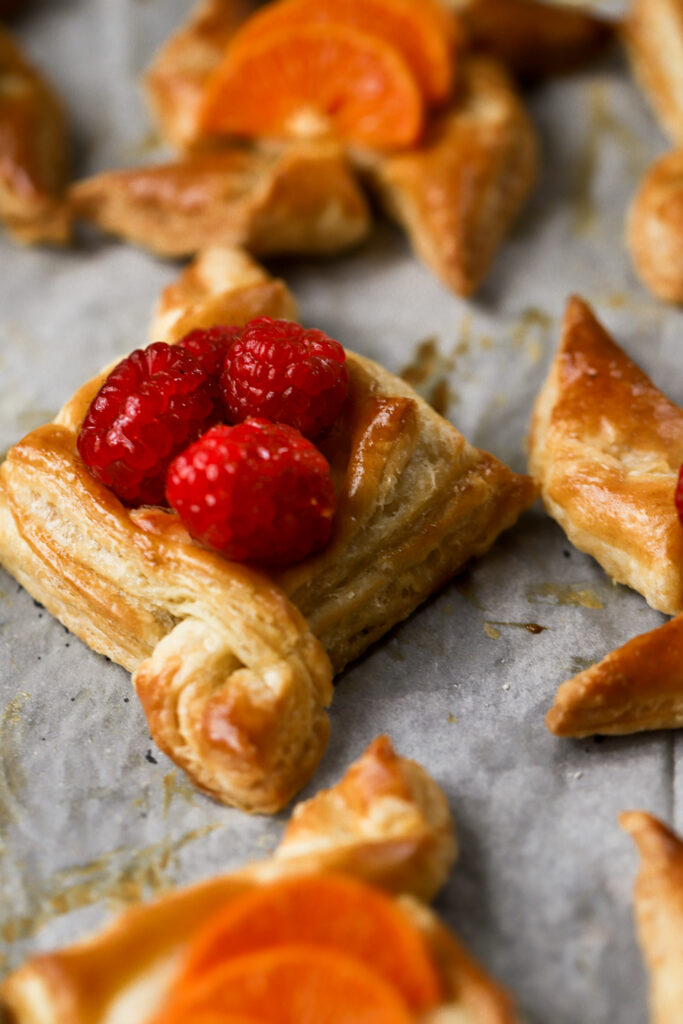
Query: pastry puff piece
point(458, 194)
point(234, 667)
point(655, 228)
point(606, 447)
point(387, 823)
point(635, 688)
point(658, 902)
point(33, 151)
point(653, 34)
point(533, 39)
point(304, 199)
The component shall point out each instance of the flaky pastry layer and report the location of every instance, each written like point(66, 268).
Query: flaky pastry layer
point(606, 447)
point(387, 822)
point(655, 228)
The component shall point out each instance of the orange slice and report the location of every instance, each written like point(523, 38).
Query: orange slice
point(303, 81)
point(291, 985)
point(420, 30)
point(328, 911)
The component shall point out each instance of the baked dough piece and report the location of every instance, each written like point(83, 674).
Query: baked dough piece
point(234, 667)
point(458, 194)
point(391, 811)
point(659, 912)
point(33, 144)
point(534, 39)
point(637, 687)
point(653, 33)
point(303, 199)
point(175, 79)
point(606, 447)
point(655, 228)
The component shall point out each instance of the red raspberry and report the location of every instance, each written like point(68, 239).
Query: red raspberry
point(210, 347)
point(678, 498)
point(257, 492)
point(285, 373)
point(151, 406)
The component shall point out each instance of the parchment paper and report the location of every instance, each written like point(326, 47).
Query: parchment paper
point(92, 816)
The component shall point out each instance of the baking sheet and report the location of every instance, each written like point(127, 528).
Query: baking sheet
point(92, 816)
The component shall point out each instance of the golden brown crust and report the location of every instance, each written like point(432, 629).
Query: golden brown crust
point(653, 33)
point(606, 447)
point(233, 667)
point(637, 687)
point(391, 811)
point(458, 194)
point(303, 199)
point(655, 228)
point(534, 39)
point(33, 148)
point(658, 900)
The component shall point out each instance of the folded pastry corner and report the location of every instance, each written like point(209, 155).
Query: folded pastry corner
point(658, 904)
point(371, 826)
point(638, 687)
point(606, 447)
point(655, 228)
point(459, 192)
point(653, 34)
point(303, 199)
point(35, 162)
point(532, 38)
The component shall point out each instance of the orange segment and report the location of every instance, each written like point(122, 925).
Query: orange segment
point(312, 80)
point(420, 30)
point(292, 985)
point(329, 911)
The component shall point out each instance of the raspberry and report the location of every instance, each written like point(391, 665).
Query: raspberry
point(285, 373)
point(257, 492)
point(678, 498)
point(210, 347)
point(151, 406)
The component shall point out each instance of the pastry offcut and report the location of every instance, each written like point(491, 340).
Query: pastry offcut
point(605, 448)
point(658, 901)
point(386, 823)
point(233, 666)
point(653, 34)
point(655, 228)
point(33, 144)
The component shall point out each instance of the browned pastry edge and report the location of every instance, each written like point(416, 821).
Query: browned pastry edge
point(655, 228)
point(33, 147)
point(653, 35)
point(387, 822)
point(605, 447)
point(300, 199)
point(658, 904)
point(458, 193)
point(635, 688)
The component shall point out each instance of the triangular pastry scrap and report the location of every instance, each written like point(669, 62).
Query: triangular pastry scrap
point(386, 824)
point(33, 140)
point(655, 228)
point(233, 666)
point(303, 199)
point(653, 33)
point(606, 447)
point(458, 193)
point(635, 688)
point(658, 902)
point(534, 39)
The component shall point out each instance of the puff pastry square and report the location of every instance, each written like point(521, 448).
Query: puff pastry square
point(33, 143)
point(387, 822)
point(303, 199)
point(458, 194)
point(606, 447)
point(234, 667)
point(658, 902)
point(653, 33)
point(655, 228)
point(635, 688)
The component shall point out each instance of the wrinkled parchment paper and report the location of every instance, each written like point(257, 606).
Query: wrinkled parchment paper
point(92, 816)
